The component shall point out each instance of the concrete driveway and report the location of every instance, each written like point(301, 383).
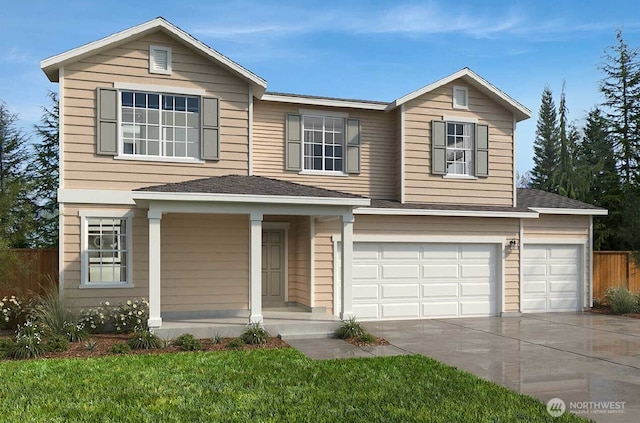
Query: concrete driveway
point(576, 357)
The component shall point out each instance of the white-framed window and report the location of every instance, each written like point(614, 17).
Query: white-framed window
point(159, 125)
point(460, 97)
point(323, 143)
point(460, 148)
point(106, 245)
point(160, 60)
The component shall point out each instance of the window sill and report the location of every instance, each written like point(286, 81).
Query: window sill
point(106, 285)
point(159, 159)
point(465, 177)
point(322, 173)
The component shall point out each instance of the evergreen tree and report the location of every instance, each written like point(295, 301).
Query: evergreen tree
point(621, 90)
point(45, 173)
point(546, 146)
point(568, 179)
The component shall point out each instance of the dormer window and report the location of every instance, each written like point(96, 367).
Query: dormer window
point(460, 97)
point(160, 60)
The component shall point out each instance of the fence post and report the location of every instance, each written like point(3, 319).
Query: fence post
point(626, 281)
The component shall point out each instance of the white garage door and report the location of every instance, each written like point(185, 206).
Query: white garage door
point(413, 281)
point(550, 278)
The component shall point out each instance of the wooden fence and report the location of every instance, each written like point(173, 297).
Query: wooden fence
point(614, 268)
point(32, 271)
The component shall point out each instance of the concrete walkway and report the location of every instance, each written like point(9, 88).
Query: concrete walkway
point(576, 357)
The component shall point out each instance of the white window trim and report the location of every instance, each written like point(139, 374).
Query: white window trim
point(456, 176)
point(466, 94)
point(84, 259)
point(315, 172)
point(152, 69)
point(461, 119)
point(160, 90)
point(473, 150)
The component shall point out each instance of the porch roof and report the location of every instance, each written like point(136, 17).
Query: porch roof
point(547, 202)
point(242, 188)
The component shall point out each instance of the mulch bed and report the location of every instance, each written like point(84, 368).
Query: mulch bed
point(103, 342)
point(358, 343)
point(607, 310)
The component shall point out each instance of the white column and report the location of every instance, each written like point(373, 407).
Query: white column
point(255, 269)
point(347, 266)
point(155, 321)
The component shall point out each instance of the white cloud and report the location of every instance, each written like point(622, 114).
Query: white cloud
point(16, 55)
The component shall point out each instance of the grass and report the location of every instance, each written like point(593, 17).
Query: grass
point(259, 385)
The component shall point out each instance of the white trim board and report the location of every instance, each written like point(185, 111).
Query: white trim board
point(159, 89)
point(243, 198)
point(452, 213)
point(428, 239)
point(584, 212)
point(95, 196)
point(351, 104)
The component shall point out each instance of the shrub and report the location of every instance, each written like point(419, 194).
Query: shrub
point(5, 345)
point(217, 339)
point(58, 343)
point(75, 332)
point(255, 333)
point(90, 345)
point(28, 342)
point(51, 313)
point(121, 348)
point(130, 316)
point(144, 340)
point(350, 328)
point(94, 319)
point(188, 342)
point(236, 343)
point(367, 338)
point(13, 311)
point(621, 300)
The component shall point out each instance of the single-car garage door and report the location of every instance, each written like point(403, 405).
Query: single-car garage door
point(550, 278)
point(415, 280)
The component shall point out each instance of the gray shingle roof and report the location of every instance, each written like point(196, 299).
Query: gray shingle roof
point(535, 198)
point(439, 206)
point(319, 97)
point(247, 185)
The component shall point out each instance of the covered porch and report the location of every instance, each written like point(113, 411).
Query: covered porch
point(258, 204)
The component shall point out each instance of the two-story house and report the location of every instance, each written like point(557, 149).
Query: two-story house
point(183, 181)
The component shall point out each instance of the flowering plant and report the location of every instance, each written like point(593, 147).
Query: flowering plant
point(12, 311)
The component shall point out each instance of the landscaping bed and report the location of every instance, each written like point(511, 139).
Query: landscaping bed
point(608, 310)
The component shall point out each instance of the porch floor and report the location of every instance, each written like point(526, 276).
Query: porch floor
point(285, 322)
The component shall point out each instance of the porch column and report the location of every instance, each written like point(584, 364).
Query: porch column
point(155, 321)
point(255, 269)
point(347, 265)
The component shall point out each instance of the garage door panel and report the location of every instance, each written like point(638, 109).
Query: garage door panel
point(366, 311)
point(365, 272)
point(468, 289)
point(365, 251)
point(482, 271)
point(434, 252)
point(400, 251)
point(440, 309)
point(469, 252)
point(434, 290)
point(440, 271)
point(403, 310)
point(400, 271)
point(475, 308)
point(550, 278)
point(400, 291)
point(365, 292)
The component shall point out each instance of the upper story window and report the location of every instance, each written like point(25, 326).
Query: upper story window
point(160, 60)
point(323, 139)
point(160, 125)
point(460, 148)
point(460, 97)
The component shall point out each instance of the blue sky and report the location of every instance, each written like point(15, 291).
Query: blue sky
point(378, 50)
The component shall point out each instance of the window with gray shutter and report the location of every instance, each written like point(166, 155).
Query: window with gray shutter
point(353, 146)
point(438, 148)
point(293, 142)
point(210, 138)
point(482, 151)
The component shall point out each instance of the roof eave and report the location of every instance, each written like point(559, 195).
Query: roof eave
point(322, 102)
point(583, 212)
point(448, 213)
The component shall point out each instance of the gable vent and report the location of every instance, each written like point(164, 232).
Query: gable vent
point(159, 60)
point(460, 98)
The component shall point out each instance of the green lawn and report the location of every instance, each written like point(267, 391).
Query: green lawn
point(258, 385)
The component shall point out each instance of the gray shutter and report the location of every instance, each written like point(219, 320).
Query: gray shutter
point(210, 136)
point(438, 147)
point(482, 150)
point(107, 121)
point(293, 142)
point(352, 157)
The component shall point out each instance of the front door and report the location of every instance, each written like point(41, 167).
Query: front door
point(273, 271)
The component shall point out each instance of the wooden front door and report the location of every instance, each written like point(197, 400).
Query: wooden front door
point(273, 271)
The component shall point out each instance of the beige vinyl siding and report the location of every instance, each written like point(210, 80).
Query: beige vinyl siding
point(422, 186)
point(299, 261)
point(399, 153)
point(377, 178)
point(77, 297)
point(559, 228)
point(416, 226)
point(129, 63)
point(205, 262)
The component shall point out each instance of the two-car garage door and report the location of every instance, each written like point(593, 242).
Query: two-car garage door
point(424, 280)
